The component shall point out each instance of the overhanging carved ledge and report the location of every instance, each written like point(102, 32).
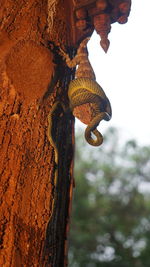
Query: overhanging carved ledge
point(99, 15)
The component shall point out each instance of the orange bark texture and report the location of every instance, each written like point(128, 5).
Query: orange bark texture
point(30, 233)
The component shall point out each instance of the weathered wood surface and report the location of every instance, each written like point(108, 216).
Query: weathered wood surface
point(32, 77)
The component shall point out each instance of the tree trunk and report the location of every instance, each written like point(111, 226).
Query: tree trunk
point(35, 191)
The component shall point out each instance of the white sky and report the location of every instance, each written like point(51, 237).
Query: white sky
point(124, 73)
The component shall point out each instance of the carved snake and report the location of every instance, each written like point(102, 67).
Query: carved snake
point(84, 89)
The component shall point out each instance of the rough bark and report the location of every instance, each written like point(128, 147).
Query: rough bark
point(33, 209)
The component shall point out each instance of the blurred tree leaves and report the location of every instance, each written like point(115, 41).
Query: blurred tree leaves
point(111, 208)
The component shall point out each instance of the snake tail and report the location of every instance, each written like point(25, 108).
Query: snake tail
point(91, 128)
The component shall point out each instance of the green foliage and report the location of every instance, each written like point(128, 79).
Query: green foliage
point(111, 211)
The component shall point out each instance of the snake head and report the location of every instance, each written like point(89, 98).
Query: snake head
point(108, 110)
